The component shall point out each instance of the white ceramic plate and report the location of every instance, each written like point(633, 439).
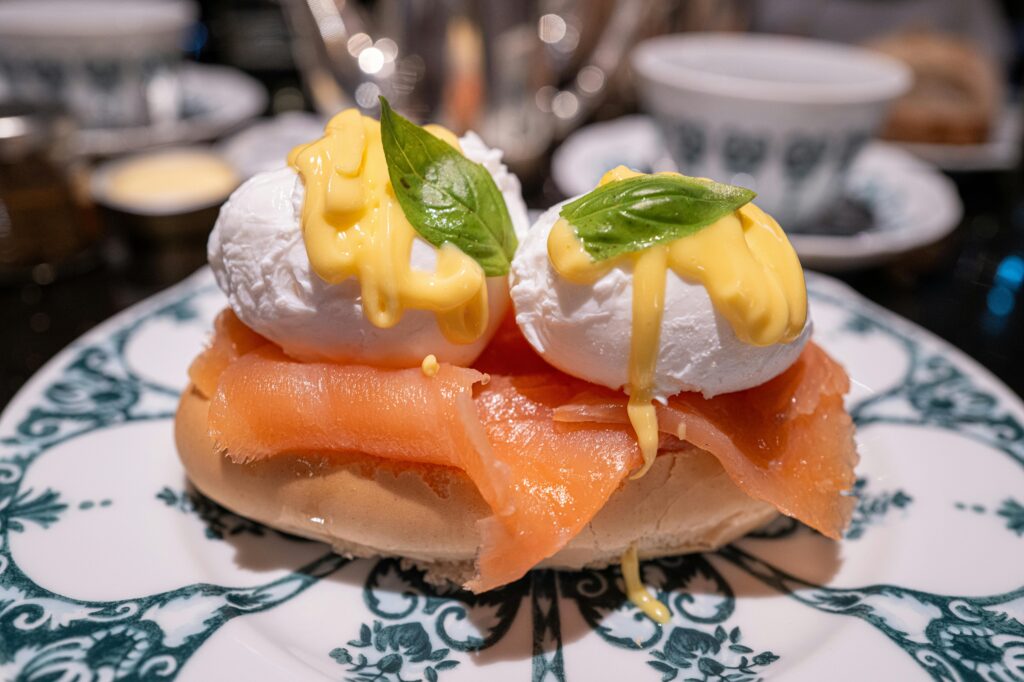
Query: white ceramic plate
point(111, 568)
point(217, 99)
point(912, 204)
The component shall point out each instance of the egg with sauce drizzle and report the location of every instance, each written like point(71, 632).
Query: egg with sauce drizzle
point(260, 260)
point(586, 328)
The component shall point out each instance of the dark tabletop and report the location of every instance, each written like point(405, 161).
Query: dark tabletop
point(966, 289)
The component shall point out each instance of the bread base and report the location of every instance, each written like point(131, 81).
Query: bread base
point(365, 507)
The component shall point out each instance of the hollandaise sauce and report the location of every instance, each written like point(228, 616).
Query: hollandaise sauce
point(743, 260)
point(353, 226)
point(430, 366)
point(637, 592)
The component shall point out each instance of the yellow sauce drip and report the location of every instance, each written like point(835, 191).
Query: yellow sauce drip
point(429, 366)
point(637, 592)
point(648, 306)
point(743, 260)
point(353, 226)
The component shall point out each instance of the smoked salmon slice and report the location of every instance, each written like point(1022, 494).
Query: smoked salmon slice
point(231, 340)
point(545, 450)
point(788, 442)
point(266, 403)
point(560, 475)
point(544, 481)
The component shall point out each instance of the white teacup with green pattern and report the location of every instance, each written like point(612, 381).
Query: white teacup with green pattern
point(783, 116)
point(111, 63)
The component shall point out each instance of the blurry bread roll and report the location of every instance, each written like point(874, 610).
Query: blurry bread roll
point(957, 90)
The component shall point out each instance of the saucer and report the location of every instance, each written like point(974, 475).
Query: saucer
point(216, 100)
point(902, 202)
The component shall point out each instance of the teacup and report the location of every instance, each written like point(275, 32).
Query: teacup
point(111, 63)
point(783, 116)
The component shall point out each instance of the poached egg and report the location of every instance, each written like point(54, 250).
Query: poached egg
point(586, 330)
point(259, 258)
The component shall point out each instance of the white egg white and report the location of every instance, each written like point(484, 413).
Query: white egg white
point(258, 255)
point(586, 330)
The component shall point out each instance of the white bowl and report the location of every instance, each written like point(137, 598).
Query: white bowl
point(112, 63)
point(783, 116)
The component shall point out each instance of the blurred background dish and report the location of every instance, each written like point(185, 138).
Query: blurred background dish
point(215, 101)
point(957, 114)
point(161, 206)
point(117, 67)
point(166, 181)
point(783, 116)
point(957, 90)
point(45, 217)
point(110, 63)
point(962, 113)
point(1000, 151)
point(890, 202)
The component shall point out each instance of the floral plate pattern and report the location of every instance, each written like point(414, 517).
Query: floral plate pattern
point(112, 567)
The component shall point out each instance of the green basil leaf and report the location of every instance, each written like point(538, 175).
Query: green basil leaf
point(632, 214)
point(445, 196)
